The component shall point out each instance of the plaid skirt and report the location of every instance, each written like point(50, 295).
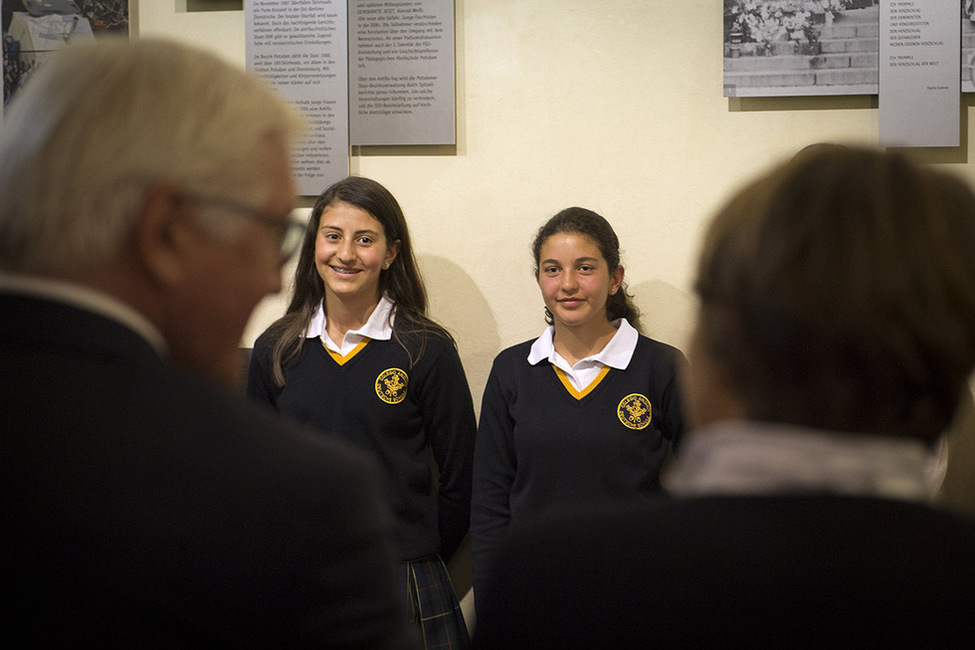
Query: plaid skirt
point(432, 604)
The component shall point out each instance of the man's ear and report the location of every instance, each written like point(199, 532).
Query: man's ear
point(163, 234)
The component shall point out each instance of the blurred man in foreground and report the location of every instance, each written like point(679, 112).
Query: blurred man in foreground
point(145, 194)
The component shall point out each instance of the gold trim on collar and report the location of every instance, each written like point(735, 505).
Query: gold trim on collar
point(339, 359)
point(572, 389)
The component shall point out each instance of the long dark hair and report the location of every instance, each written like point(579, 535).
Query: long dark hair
point(401, 282)
point(586, 222)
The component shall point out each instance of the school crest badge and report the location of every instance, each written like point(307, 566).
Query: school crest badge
point(391, 385)
point(634, 411)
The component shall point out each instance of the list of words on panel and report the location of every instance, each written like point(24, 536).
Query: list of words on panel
point(300, 46)
point(403, 75)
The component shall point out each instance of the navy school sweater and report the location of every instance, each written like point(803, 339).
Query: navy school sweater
point(539, 447)
point(399, 413)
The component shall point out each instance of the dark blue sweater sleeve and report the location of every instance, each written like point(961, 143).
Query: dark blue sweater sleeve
point(494, 473)
point(674, 424)
point(260, 385)
point(448, 418)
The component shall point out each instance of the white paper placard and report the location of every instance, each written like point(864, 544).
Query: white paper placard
point(402, 72)
point(920, 46)
point(301, 47)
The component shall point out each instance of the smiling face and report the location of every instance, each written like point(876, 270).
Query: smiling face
point(575, 280)
point(351, 252)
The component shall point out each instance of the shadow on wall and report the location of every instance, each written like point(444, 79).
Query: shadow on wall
point(458, 305)
point(667, 313)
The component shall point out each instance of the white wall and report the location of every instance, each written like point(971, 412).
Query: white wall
point(612, 105)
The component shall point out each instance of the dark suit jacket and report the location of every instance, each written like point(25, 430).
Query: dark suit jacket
point(721, 572)
point(145, 507)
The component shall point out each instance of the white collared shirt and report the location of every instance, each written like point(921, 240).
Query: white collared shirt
point(378, 326)
point(616, 354)
point(746, 457)
point(89, 299)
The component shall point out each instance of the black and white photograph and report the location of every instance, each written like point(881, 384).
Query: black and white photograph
point(967, 46)
point(801, 47)
point(33, 29)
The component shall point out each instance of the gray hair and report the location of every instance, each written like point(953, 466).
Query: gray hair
point(101, 123)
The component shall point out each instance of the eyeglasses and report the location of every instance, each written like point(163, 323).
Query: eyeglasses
point(288, 232)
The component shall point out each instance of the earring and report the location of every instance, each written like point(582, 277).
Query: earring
point(386, 266)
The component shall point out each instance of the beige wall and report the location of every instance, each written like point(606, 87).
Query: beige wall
point(612, 105)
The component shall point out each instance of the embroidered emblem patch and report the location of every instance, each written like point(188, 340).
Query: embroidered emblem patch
point(634, 411)
point(391, 385)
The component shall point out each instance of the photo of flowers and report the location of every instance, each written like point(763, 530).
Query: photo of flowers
point(801, 47)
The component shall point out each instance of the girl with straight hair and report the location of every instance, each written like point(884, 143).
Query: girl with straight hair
point(356, 356)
